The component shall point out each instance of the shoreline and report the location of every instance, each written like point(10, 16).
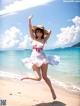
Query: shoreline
point(32, 93)
point(74, 89)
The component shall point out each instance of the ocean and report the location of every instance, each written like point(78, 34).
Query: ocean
point(65, 75)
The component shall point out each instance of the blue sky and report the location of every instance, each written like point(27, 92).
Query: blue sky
point(63, 18)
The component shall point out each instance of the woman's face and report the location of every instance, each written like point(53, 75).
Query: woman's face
point(39, 33)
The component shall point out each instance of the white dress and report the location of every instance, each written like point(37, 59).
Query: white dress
point(38, 57)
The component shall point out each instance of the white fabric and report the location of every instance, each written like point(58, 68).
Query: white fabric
point(39, 58)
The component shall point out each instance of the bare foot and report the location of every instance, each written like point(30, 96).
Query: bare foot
point(53, 95)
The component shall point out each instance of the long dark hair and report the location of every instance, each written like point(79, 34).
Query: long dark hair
point(41, 30)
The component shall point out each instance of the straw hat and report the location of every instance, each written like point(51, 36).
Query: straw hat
point(40, 27)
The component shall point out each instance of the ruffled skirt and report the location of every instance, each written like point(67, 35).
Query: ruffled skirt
point(39, 59)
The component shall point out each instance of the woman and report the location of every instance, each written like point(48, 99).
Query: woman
point(38, 60)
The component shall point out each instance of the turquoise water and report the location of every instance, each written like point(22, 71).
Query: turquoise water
point(66, 73)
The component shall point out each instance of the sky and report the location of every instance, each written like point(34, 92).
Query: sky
point(61, 16)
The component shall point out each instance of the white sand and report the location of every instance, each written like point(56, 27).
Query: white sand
point(32, 93)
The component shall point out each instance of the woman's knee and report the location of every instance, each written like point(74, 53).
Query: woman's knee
point(39, 79)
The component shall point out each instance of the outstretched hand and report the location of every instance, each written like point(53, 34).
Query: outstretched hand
point(30, 17)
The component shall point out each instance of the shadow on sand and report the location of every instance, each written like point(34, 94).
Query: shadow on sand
point(55, 103)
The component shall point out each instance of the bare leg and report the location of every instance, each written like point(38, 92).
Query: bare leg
point(47, 80)
point(37, 74)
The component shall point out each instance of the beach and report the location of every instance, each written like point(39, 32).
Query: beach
point(65, 79)
point(34, 93)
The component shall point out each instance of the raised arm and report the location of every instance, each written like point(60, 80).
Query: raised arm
point(30, 27)
point(48, 35)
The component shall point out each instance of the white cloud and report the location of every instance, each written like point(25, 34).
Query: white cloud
point(69, 35)
point(21, 5)
point(76, 20)
point(10, 38)
point(24, 43)
point(14, 39)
